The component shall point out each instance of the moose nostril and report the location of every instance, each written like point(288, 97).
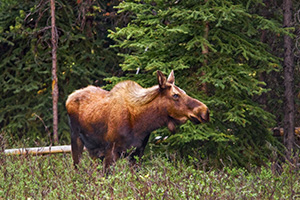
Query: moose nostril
point(205, 116)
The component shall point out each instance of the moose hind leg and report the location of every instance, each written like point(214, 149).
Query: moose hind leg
point(76, 144)
point(77, 148)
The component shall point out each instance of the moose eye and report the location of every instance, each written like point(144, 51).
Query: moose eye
point(175, 96)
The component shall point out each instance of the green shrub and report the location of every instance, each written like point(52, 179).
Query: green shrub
point(53, 177)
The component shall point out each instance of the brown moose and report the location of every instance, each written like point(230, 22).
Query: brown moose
point(109, 123)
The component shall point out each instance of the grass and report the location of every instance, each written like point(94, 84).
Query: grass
point(53, 177)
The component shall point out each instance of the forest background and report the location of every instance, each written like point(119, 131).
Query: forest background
point(229, 54)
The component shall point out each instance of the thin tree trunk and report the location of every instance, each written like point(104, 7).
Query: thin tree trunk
point(289, 110)
point(205, 52)
point(54, 75)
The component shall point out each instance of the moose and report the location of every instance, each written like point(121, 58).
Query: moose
point(108, 123)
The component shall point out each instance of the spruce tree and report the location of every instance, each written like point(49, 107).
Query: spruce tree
point(25, 67)
point(212, 43)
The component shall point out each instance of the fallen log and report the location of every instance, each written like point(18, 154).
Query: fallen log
point(67, 148)
point(39, 150)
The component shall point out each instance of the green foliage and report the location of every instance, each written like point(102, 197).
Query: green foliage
point(168, 35)
point(162, 35)
point(53, 177)
point(25, 68)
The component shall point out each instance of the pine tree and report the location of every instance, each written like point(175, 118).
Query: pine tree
point(168, 35)
point(25, 67)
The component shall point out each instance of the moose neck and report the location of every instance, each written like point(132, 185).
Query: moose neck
point(148, 117)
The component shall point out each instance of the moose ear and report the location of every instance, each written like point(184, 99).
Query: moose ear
point(171, 78)
point(162, 80)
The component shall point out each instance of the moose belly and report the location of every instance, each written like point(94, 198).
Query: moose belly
point(95, 145)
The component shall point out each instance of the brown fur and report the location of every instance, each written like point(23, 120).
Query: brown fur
point(109, 123)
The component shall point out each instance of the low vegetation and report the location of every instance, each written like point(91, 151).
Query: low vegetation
point(53, 177)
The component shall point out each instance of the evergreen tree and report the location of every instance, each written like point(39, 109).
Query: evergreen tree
point(83, 58)
point(168, 35)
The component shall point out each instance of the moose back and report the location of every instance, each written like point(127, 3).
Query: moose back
point(108, 123)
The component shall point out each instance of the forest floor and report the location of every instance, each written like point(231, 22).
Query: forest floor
point(53, 177)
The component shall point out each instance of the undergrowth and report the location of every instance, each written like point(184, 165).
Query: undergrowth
point(53, 177)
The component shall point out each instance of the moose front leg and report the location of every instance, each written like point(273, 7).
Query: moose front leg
point(139, 152)
point(111, 156)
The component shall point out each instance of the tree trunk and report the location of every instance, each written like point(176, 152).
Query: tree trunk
point(54, 37)
point(205, 52)
point(289, 110)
